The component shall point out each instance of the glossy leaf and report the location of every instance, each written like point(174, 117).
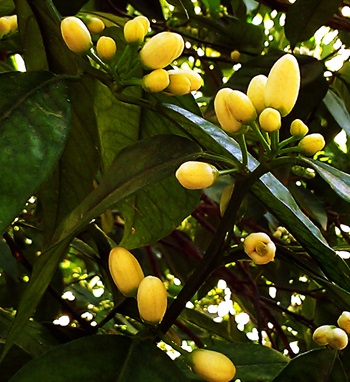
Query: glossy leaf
point(304, 17)
point(338, 180)
point(338, 110)
point(6, 7)
point(320, 365)
point(34, 123)
point(271, 192)
point(102, 358)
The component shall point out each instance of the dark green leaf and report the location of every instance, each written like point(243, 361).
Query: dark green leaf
point(7, 7)
point(254, 362)
point(338, 180)
point(32, 42)
point(34, 123)
point(304, 17)
point(69, 8)
point(8, 262)
point(321, 365)
point(102, 358)
point(338, 110)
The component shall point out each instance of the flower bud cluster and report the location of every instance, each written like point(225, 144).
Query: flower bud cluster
point(129, 278)
point(268, 99)
point(333, 336)
point(8, 24)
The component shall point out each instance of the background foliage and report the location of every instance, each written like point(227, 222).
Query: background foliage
point(84, 168)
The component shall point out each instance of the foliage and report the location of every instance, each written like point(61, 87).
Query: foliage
point(88, 161)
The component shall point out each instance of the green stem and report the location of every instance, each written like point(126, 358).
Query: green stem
point(132, 82)
point(227, 171)
point(240, 138)
point(98, 61)
point(275, 140)
point(260, 136)
point(294, 149)
point(219, 158)
point(287, 141)
point(213, 256)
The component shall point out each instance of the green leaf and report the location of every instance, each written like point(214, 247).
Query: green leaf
point(320, 365)
point(338, 180)
point(8, 262)
point(254, 362)
point(304, 17)
point(270, 191)
point(338, 110)
point(6, 7)
point(102, 358)
point(34, 123)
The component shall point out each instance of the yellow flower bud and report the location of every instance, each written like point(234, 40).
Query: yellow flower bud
point(259, 247)
point(179, 84)
point(255, 92)
point(161, 50)
point(211, 365)
point(283, 83)
point(270, 119)
point(241, 107)
point(235, 54)
point(5, 26)
point(225, 197)
point(95, 25)
point(106, 48)
point(223, 112)
point(311, 144)
point(156, 81)
point(298, 128)
point(75, 34)
point(134, 31)
point(152, 300)
point(337, 338)
point(144, 21)
point(320, 334)
point(196, 175)
point(13, 20)
point(344, 321)
point(194, 78)
point(125, 271)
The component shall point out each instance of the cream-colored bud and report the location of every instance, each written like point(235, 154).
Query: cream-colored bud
point(337, 338)
point(156, 81)
point(161, 50)
point(194, 78)
point(75, 34)
point(283, 84)
point(259, 247)
point(344, 321)
point(95, 25)
point(311, 144)
point(320, 334)
point(144, 21)
point(152, 300)
point(125, 271)
point(179, 84)
point(270, 120)
point(5, 26)
point(223, 112)
point(241, 107)
point(211, 365)
point(255, 92)
point(134, 31)
point(106, 48)
point(196, 175)
point(298, 128)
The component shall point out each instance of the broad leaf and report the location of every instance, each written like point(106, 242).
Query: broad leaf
point(338, 180)
point(338, 110)
point(304, 17)
point(102, 358)
point(34, 123)
point(321, 365)
point(7, 7)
